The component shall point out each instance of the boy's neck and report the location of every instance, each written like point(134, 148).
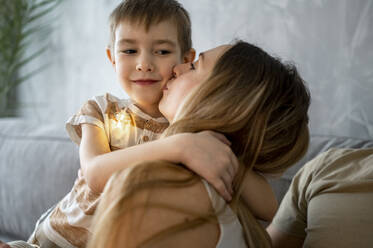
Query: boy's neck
point(153, 111)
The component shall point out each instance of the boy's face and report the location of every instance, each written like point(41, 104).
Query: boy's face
point(143, 61)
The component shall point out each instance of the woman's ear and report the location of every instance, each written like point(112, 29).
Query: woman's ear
point(110, 56)
point(189, 56)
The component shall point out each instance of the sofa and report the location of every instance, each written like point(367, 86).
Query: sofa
point(38, 165)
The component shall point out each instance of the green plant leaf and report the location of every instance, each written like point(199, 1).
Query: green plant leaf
point(40, 4)
point(35, 16)
point(16, 66)
point(29, 75)
point(20, 21)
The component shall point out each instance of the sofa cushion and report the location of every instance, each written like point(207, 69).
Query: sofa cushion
point(318, 144)
point(38, 165)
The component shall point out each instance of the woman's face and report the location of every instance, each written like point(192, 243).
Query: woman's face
point(186, 77)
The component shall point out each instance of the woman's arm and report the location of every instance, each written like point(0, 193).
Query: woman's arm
point(206, 151)
point(259, 196)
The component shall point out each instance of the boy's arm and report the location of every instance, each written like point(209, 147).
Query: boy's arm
point(98, 163)
point(259, 196)
point(4, 245)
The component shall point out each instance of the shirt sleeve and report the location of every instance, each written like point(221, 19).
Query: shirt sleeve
point(90, 113)
point(291, 216)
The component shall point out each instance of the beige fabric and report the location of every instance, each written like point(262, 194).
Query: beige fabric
point(39, 238)
point(69, 224)
point(330, 201)
point(21, 244)
point(124, 123)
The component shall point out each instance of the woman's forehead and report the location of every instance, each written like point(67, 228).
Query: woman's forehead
point(212, 55)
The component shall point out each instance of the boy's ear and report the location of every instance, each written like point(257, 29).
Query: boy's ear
point(110, 56)
point(189, 56)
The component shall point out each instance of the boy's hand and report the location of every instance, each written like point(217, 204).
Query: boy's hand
point(208, 154)
point(3, 245)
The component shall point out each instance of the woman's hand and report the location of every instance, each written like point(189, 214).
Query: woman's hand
point(208, 154)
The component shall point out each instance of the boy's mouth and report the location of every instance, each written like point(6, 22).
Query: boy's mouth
point(145, 81)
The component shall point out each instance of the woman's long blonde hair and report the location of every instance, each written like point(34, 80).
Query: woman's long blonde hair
point(260, 104)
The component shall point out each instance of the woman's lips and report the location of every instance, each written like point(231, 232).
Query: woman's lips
point(145, 81)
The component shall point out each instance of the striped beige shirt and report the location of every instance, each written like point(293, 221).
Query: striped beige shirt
point(69, 223)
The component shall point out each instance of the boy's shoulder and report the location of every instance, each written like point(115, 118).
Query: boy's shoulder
point(111, 105)
point(107, 104)
point(109, 101)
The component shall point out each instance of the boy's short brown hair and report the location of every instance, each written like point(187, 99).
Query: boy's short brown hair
point(149, 12)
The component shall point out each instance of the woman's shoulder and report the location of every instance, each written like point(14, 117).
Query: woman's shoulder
point(179, 183)
point(176, 199)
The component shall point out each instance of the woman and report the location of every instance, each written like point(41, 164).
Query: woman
point(259, 104)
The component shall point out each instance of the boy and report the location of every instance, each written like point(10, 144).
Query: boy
point(148, 38)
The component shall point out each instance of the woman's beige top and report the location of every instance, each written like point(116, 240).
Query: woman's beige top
point(231, 233)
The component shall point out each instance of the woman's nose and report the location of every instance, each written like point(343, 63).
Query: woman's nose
point(180, 69)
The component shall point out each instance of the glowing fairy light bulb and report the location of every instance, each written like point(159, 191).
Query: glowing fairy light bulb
point(121, 123)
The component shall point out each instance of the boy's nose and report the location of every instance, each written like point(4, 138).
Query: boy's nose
point(180, 69)
point(144, 63)
point(144, 67)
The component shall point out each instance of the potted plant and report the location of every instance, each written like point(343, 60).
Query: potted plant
point(20, 20)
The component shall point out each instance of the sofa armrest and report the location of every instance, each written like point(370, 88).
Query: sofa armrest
point(38, 165)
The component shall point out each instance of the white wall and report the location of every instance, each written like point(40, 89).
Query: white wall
point(331, 42)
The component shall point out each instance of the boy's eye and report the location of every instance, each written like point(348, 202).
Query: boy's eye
point(192, 67)
point(129, 51)
point(163, 52)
